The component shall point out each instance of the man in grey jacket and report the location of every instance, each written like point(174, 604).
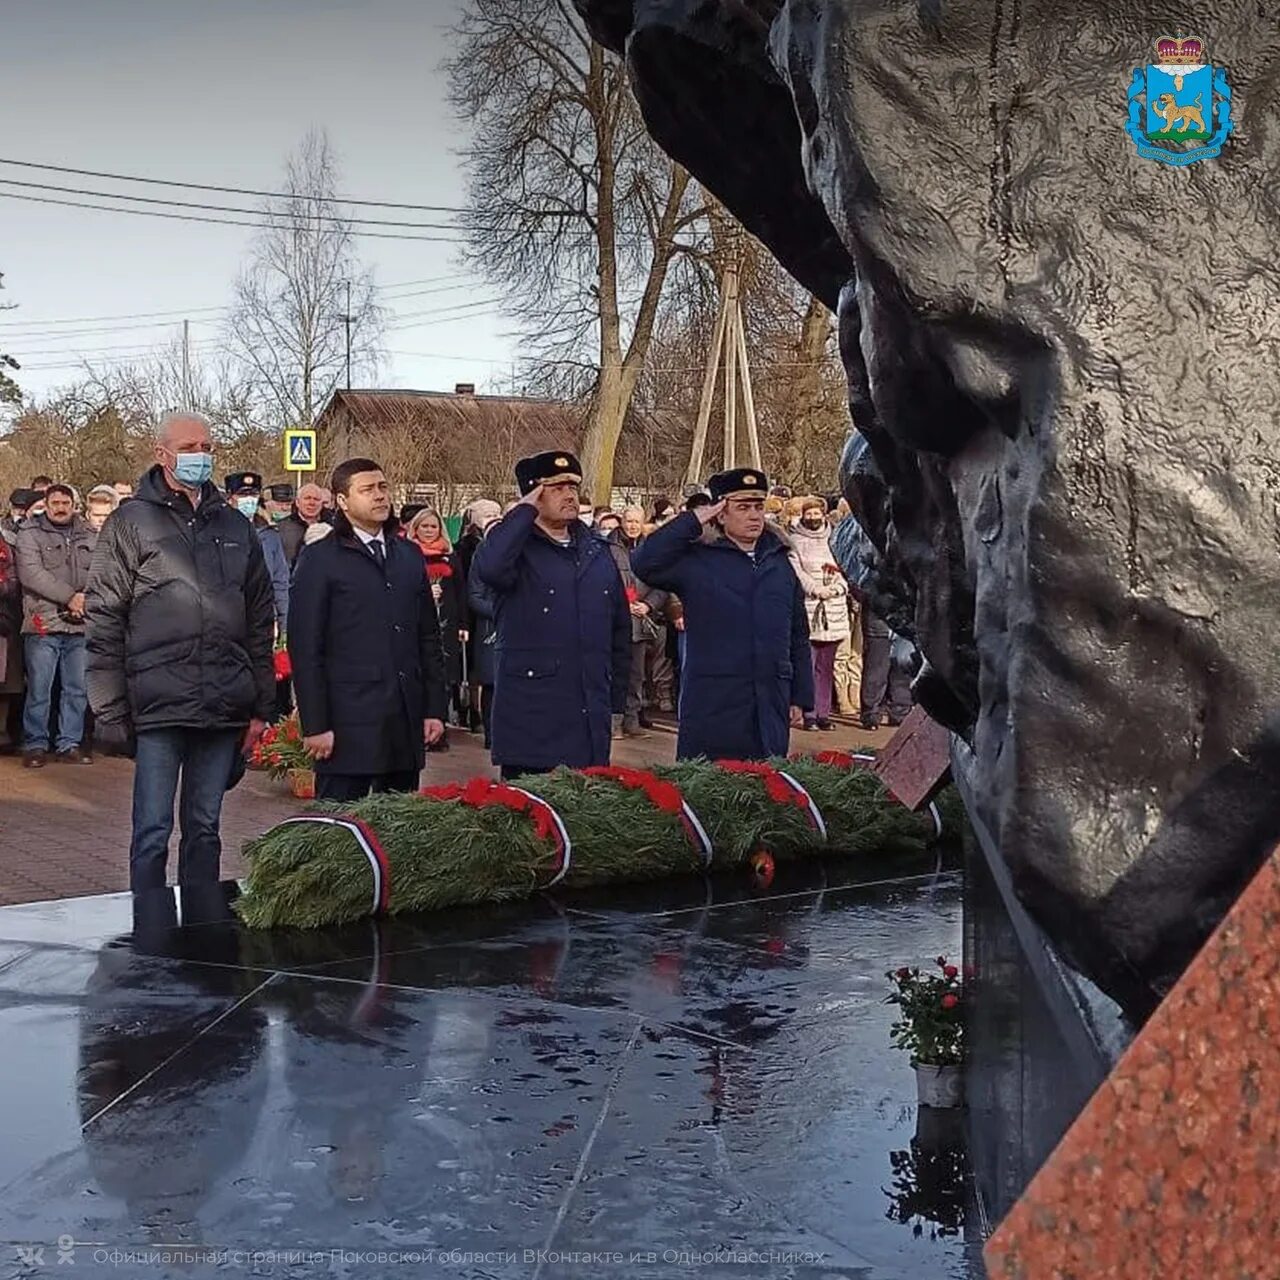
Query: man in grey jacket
point(53, 554)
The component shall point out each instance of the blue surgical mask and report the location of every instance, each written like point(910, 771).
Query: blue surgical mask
point(194, 470)
point(247, 507)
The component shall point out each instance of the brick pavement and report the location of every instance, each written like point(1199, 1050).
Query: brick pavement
point(64, 830)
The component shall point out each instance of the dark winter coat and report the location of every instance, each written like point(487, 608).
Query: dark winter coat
point(451, 606)
point(293, 532)
point(364, 643)
point(484, 631)
point(564, 643)
point(747, 658)
point(179, 615)
point(646, 628)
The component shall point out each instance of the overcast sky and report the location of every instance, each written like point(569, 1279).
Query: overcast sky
point(219, 91)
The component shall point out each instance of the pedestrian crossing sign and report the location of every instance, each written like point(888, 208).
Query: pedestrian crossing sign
point(299, 450)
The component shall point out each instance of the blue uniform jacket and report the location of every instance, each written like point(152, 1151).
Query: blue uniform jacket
point(278, 567)
point(747, 658)
point(564, 643)
point(366, 653)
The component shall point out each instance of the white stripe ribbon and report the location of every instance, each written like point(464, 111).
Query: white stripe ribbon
point(933, 808)
point(374, 864)
point(937, 820)
point(699, 830)
point(808, 799)
point(560, 827)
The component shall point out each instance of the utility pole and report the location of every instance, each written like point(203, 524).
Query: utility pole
point(346, 320)
point(186, 364)
point(729, 340)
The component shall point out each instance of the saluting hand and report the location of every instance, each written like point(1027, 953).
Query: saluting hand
point(532, 498)
point(319, 746)
point(707, 514)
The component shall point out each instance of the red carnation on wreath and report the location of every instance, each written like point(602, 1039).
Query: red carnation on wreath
point(482, 793)
point(777, 787)
point(662, 795)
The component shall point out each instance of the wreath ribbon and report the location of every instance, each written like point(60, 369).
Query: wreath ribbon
point(815, 814)
point(564, 845)
point(370, 846)
point(641, 780)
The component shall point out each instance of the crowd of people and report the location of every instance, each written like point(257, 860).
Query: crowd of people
point(147, 618)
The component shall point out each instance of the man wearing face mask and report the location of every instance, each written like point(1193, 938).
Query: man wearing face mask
point(244, 492)
point(180, 621)
point(747, 672)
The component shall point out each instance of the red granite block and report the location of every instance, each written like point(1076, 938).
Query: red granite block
point(1173, 1169)
point(917, 760)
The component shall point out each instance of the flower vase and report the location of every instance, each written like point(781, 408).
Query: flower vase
point(302, 782)
point(939, 1086)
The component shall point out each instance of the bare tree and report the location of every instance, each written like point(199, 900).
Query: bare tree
point(800, 393)
point(571, 205)
point(100, 425)
point(288, 323)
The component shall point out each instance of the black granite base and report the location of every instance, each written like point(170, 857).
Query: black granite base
point(1040, 1037)
point(686, 1080)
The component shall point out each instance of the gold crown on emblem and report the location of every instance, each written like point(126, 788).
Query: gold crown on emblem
point(748, 480)
point(562, 462)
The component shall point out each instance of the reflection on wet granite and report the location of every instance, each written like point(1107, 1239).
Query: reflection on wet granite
point(677, 1071)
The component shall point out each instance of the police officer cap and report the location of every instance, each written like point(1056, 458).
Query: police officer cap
point(547, 468)
point(244, 482)
point(281, 493)
point(23, 498)
point(741, 482)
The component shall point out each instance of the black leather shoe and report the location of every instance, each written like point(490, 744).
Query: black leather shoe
point(35, 759)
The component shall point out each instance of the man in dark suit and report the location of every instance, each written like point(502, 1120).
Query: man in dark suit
point(564, 629)
point(364, 642)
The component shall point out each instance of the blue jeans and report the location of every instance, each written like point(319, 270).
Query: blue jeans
point(204, 757)
point(47, 657)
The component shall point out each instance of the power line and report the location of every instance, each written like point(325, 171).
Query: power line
point(126, 352)
point(182, 313)
point(217, 222)
point(226, 208)
point(234, 191)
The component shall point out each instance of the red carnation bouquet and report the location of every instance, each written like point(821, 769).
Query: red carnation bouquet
point(439, 570)
point(280, 748)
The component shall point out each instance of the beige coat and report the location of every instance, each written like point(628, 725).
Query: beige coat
point(826, 594)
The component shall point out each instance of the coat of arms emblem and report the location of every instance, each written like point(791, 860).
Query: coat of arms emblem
point(1179, 105)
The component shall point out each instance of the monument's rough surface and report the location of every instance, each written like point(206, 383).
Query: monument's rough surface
point(1064, 369)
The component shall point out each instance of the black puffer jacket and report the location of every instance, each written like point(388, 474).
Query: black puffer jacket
point(180, 615)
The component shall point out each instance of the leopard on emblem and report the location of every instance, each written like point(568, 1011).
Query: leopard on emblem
point(1180, 104)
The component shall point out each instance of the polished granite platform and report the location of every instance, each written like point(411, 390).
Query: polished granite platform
point(685, 1079)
